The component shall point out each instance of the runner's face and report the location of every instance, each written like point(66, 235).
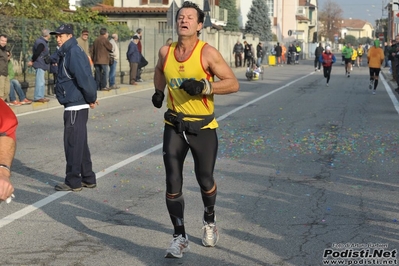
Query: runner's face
point(187, 22)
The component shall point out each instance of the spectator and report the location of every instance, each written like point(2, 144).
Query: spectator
point(395, 62)
point(143, 62)
point(278, 50)
point(54, 69)
point(291, 54)
point(4, 80)
point(392, 50)
point(15, 87)
point(284, 52)
point(247, 54)
point(259, 54)
point(133, 56)
point(298, 50)
point(83, 41)
point(115, 56)
point(41, 63)
point(253, 53)
point(386, 54)
point(238, 50)
point(8, 127)
point(318, 52)
point(76, 90)
point(101, 50)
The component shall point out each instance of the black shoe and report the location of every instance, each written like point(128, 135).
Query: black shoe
point(65, 187)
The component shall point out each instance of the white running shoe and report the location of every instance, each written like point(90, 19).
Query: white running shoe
point(327, 84)
point(211, 235)
point(373, 92)
point(178, 246)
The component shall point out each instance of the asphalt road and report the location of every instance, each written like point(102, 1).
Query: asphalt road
point(303, 171)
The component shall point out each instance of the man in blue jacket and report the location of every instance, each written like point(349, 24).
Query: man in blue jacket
point(133, 56)
point(76, 89)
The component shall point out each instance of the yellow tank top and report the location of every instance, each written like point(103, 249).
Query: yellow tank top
point(354, 55)
point(176, 72)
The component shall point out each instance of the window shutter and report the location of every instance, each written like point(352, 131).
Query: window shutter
point(165, 2)
point(144, 2)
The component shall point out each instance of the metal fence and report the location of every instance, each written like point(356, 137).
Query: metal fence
point(22, 33)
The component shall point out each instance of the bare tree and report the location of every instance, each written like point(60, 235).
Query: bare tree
point(330, 20)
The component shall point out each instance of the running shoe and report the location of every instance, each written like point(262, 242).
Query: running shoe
point(327, 84)
point(177, 247)
point(373, 92)
point(371, 85)
point(211, 235)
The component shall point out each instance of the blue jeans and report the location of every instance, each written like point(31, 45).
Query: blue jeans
point(39, 84)
point(15, 86)
point(259, 61)
point(102, 75)
point(112, 73)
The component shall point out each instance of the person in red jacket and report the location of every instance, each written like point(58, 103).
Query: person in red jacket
point(327, 59)
point(8, 127)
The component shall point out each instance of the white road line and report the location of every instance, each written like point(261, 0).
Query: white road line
point(390, 93)
point(37, 205)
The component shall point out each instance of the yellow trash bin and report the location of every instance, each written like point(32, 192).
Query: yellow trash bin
point(272, 60)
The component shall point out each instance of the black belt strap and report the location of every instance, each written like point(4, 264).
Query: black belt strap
point(181, 125)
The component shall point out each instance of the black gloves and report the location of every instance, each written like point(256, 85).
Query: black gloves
point(157, 98)
point(194, 87)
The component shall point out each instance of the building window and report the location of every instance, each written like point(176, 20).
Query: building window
point(270, 5)
point(162, 27)
point(155, 2)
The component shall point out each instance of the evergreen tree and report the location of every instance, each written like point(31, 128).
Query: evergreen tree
point(232, 15)
point(258, 20)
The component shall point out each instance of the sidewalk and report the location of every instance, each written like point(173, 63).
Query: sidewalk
point(123, 88)
point(388, 78)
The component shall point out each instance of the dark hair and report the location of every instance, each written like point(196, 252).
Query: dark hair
point(3, 35)
point(103, 31)
point(139, 30)
point(200, 13)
